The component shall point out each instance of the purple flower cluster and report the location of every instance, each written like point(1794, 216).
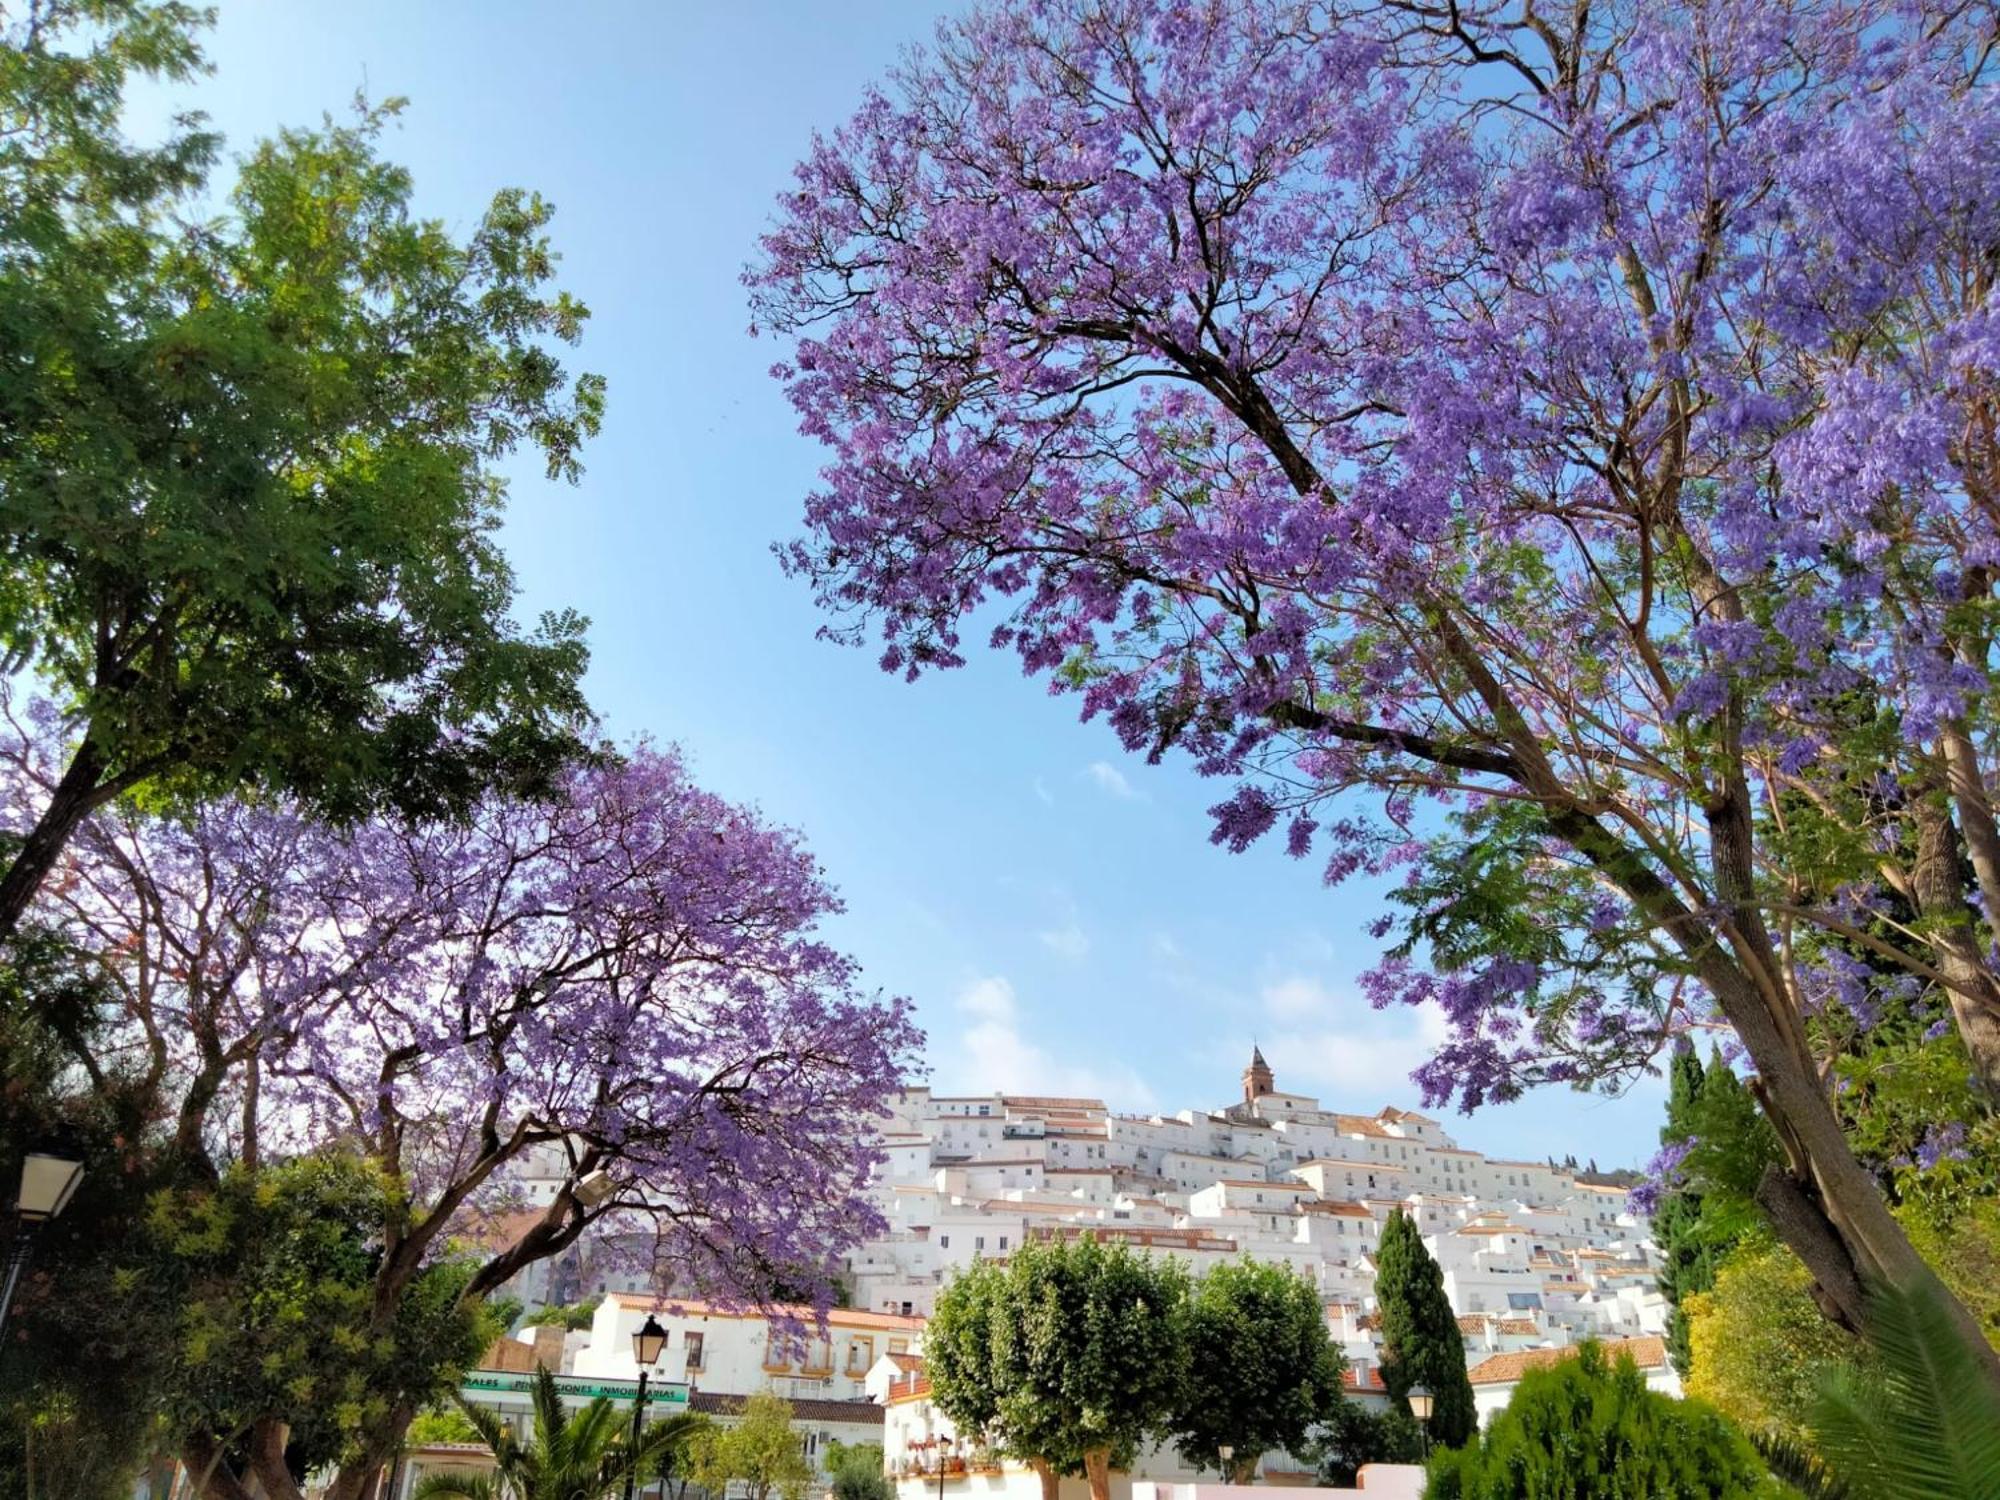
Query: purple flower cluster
point(627, 974)
point(1317, 397)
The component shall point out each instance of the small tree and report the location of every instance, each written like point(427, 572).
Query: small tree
point(1585, 1429)
point(1067, 1358)
point(1262, 1373)
point(759, 1449)
point(1355, 1435)
point(1420, 1339)
point(856, 1471)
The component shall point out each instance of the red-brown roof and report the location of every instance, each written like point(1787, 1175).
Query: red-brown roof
point(1504, 1369)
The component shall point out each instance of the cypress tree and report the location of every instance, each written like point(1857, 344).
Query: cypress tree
point(1705, 1213)
point(1686, 1264)
point(1420, 1338)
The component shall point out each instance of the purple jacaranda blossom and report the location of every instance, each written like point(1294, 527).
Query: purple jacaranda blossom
point(1383, 417)
point(1661, 1176)
point(1942, 1143)
point(625, 979)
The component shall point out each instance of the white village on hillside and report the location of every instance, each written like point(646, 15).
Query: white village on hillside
point(1535, 1258)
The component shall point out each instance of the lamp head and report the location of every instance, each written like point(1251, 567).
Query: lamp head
point(1420, 1402)
point(648, 1342)
point(47, 1185)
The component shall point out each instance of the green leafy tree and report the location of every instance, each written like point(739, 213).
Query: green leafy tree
point(1354, 1435)
point(582, 1456)
point(1421, 1344)
point(1760, 1346)
point(271, 1272)
point(248, 485)
point(1262, 1373)
point(857, 1473)
point(1586, 1429)
point(760, 1450)
point(1067, 1357)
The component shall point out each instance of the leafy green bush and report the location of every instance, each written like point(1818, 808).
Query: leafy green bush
point(1586, 1429)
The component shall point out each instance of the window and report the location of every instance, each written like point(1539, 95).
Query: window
point(1003, 1242)
point(694, 1351)
point(860, 1355)
point(901, 1346)
point(944, 1242)
point(979, 1242)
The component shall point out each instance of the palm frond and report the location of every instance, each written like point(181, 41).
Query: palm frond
point(1925, 1424)
point(1799, 1467)
point(454, 1487)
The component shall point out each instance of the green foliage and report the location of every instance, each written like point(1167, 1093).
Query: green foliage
point(1921, 1422)
point(1262, 1373)
point(273, 1276)
point(1584, 1429)
point(857, 1473)
point(575, 1318)
point(1760, 1345)
point(248, 536)
point(1711, 1208)
point(89, 1341)
point(760, 1450)
point(440, 1424)
point(1072, 1352)
point(1421, 1344)
point(1494, 887)
point(1354, 1435)
point(584, 1456)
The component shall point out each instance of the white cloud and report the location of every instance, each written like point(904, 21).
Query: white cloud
point(1334, 1041)
point(1067, 941)
point(1108, 779)
point(1048, 798)
point(993, 1053)
point(1361, 1057)
point(1298, 998)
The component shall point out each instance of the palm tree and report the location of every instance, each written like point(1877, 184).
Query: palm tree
point(581, 1457)
point(1918, 1425)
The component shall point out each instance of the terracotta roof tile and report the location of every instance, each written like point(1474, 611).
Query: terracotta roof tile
point(1504, 1369)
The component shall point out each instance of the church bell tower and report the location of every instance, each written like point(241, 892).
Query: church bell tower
point(1257, 1079)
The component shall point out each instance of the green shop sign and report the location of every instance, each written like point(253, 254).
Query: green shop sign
point(491, 1383)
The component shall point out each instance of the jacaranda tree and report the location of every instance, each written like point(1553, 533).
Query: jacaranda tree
point(626, 975)
point(1580, 421)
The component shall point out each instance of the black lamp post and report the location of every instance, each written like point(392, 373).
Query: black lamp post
point(1420, 1408)
point(47, 1185)
point(1226, 1452)
point(950, 1443)
point(646, 1346)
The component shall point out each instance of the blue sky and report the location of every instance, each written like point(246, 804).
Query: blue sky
point(1051, 904)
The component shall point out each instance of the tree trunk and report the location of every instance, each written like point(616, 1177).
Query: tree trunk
point(1940, 898)
point(1097, 1469)
point(80, 790)
point(1051, 1480)
point(210, 1472)
point(1241, 1470)
point(1831, 1212)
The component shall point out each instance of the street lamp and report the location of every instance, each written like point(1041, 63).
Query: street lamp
point(1225, 1452)
point(950, 1443)
point(647, 1343)
point(1420, 1407)
point(47, 1185)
